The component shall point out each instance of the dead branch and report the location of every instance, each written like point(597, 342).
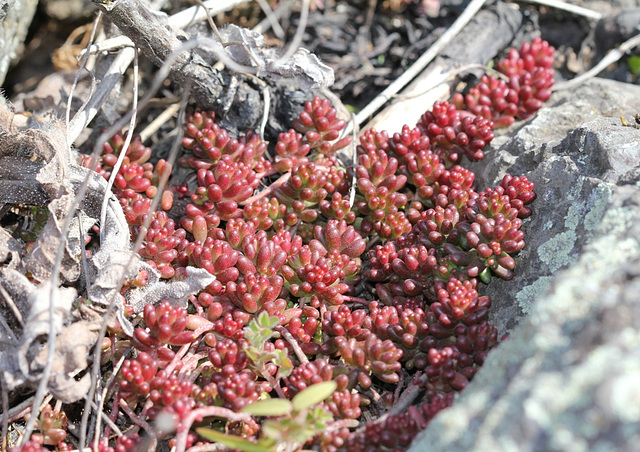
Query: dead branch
point(157, 41)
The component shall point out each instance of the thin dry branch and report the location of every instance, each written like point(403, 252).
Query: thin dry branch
point(610, 58)
point(574, 9)
point(124, 58)
point(157, 42)
point(422, 62)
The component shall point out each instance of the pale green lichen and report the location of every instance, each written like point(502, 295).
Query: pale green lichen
point(616, 221)
point(598, 200)
point(557, 251)
point(528, 294)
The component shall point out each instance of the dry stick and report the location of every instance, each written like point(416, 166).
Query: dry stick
point(575, 9)
point(196, 14)
point(135, 418)
point(83, 117)
point(154, 204)
point(83, 249)
point(123, 150)
point(299, 34)
point(155, 86)
point(157, 42)
point(610, 58)
point(10, 413)
point(266, 98)
point(181, 20)
point(283, 9)
point(154, 125)
point(14, 309)
point(433, 51)
point(103, 210)
point(271, 18)
point(125, 57)
point(40, 392)
point(83, 63)
point(354, 160)
point(269, 190)
point(294, 344)
point(103, 396)
point(5, 411)
point(212, 24)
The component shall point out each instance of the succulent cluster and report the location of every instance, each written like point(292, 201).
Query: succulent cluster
point(332, 285)
point(527, 85)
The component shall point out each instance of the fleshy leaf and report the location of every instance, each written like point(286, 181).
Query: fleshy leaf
point(231, 441)
point(269, 407)
point(313, 394)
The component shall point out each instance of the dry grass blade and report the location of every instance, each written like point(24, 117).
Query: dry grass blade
point(564, 6)
point(472, 8)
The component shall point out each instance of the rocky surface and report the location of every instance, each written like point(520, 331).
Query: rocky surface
point(566, 378)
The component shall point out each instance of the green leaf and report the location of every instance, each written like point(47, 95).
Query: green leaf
point(231, 441)
point(313, 394)
point(269, 407)
point(274, 430)
point(266, 321)
point(286, 366)
point(352, 108)
point(485, 276)
point(633, 62)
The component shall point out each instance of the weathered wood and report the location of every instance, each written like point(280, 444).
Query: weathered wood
point(158, 41)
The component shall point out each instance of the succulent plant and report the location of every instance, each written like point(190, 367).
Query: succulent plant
point(333, 282)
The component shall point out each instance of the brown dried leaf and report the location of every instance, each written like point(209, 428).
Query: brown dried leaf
point(72, 348)
point(10, 250)
point(34, 170)
point(176, 292)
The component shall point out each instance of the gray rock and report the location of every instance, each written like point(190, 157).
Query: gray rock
point(15, 18)
point(567, 376)
point(576, 151)
point(612, 30)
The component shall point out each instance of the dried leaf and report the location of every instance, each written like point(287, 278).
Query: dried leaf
point(304, 66)
point(176, 292)
point(111, 269)
point(72, 348)
point(72, 345)
point(34, 171)
point(41, 260)
point(9, 250)
point(18, 288)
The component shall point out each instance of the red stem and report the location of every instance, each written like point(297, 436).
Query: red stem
point(269, 190)
point(200, 413)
